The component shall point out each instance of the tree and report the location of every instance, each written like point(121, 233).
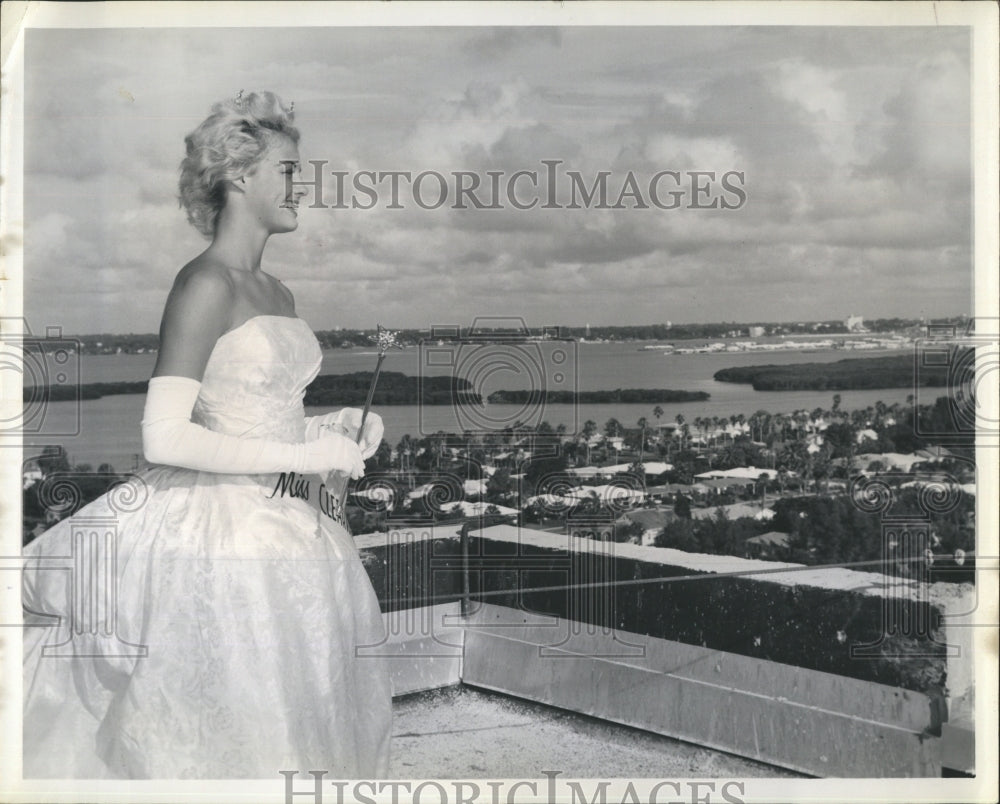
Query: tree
point(425, 456)
point(588, 431)
point(679, 534)
point(762, 480)
point(53, 459)
point(682, 507)
point(782, 479)
point(842, 438)
point(642, 437)
point(404, 452)
point(541, 468)
point(499, 487)
point(382, 459)
point(821, 467)
point(627, 532)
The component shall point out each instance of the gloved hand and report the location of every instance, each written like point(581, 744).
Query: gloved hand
point(346, 422)
point(170, 437)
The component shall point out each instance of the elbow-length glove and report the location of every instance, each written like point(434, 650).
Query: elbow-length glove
point(170, 437)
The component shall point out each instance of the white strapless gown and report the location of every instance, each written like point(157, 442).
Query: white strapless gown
point(204, 628)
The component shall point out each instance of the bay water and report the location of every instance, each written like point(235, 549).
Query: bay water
point(107, 430)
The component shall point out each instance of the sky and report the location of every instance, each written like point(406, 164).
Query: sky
point(854, 145)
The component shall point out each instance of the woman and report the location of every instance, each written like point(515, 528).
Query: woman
point(236, 648)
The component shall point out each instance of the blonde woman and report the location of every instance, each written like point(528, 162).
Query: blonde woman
point(241, 614)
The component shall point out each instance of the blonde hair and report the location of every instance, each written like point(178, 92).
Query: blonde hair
point(227, 146)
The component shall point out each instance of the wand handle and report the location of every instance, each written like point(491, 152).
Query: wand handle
point(371, 395)
point(361, 427)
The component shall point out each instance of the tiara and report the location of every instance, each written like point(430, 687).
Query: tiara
point(239, 101)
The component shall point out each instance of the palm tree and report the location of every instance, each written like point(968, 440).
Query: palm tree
point(658, 413)
point(880, 411)
point(589, 428)
point(642, 437)
point(762, 480)
point(716, 426)
point(613, 428)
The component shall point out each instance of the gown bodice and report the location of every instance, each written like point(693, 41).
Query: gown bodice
point(256, 379)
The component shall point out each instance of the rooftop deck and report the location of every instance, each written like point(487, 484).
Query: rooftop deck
point(461, 732)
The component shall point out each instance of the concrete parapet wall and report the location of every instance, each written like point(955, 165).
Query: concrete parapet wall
point(812, 722)
point(746, 656)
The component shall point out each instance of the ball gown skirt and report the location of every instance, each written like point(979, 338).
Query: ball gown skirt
point(231, 622)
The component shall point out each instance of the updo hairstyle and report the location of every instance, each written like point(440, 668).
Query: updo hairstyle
point(226, 147)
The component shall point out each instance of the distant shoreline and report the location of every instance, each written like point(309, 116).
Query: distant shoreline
point(145, 343)
point(394, 388)
point(851, 374)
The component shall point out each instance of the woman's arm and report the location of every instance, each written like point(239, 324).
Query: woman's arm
point(197, 312)
point(170, 437)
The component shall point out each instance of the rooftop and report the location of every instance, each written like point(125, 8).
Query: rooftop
point(463, 732)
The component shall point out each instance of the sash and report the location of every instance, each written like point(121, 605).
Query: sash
point(323, 495)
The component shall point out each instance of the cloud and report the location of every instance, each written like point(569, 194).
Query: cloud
point(854, 144)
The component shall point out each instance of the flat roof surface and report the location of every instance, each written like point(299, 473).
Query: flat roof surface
point(463, 732)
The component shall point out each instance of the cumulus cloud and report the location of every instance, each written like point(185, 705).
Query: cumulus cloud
point(854, 144)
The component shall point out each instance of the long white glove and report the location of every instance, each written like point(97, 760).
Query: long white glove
point(346, 422)
point(170, 437)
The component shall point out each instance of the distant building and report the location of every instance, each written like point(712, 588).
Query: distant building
point(855, 323)
point(31, 474)
point(756, 332)
point(767, 544)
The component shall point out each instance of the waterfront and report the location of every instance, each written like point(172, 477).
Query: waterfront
point(109, 427)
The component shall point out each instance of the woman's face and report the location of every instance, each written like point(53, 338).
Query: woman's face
point(270, 195)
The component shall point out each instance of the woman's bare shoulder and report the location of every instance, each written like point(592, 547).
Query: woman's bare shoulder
point(205, 273)
point(199, 309)
point(203, 290)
